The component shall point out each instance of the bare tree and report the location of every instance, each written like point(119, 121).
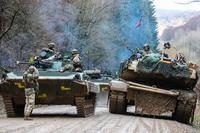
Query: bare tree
point(188, 2)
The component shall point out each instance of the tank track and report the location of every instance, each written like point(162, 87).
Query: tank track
point(183, 113)
point(185, 108)
point(118, 103)
point(85, 105)
point(9, 107)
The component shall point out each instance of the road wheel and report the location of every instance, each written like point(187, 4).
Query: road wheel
point(183, 113)
point(118, 103)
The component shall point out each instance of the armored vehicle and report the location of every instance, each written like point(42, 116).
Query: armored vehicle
point(155, 86)
point(55, 88)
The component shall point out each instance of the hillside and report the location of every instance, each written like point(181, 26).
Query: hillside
point(173, 18)
point(93, 27)
point(186, 38)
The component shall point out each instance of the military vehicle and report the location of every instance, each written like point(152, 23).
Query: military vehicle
point(155, 85)
point(55, 88)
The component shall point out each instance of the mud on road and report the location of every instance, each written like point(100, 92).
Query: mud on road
point(59, 119)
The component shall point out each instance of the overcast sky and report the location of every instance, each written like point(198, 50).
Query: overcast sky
point(173, 5)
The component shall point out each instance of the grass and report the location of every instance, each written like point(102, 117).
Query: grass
point(196, 123)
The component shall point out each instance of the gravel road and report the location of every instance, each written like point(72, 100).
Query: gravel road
point(59, 119)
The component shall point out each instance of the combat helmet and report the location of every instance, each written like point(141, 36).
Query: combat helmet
point(31, 69)
point(146, 46)
point(75, 51)
point(167, 45)
point(51, 45)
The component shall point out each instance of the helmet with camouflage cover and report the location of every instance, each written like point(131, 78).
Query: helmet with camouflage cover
point(51, 45)
point(75, 51)
point(146, 46)
point(31, 69)
point(167, 45)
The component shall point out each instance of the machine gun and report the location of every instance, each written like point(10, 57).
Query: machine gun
point(136, 53)
point(129, 49)
point(37, 63)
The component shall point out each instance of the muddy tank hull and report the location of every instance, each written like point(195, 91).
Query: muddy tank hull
point(143, 100)
point(52, 91)
point(152, 93)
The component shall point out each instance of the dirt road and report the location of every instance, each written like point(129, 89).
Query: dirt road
point(102, 122)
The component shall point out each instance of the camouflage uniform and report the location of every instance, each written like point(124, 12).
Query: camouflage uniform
point(168, 51)
point(74, 64)
point(30, 79)
point(76, 60)
point(48, 52)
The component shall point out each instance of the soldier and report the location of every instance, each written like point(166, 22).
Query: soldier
point(167, 45)
point(146, 49)
point(48, 52)
point(30, 78)
point(51, 48)
point(168, 51)
point(74, 64)
point(136, 54)
point(76, 60)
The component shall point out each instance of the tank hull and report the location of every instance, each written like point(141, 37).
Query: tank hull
point(150, 101)
point(51, 91)
point(54, 89)
point(153, 93)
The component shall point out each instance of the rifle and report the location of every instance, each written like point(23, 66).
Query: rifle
point(36, 63)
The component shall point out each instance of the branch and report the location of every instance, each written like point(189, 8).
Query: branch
point(11, 24)
point(189, 2)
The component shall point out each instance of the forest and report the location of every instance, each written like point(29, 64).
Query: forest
point(100, 29)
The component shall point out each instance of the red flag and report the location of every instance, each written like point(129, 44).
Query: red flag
point(139, 23)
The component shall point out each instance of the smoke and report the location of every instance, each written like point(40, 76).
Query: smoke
point(99, 29)
point(57, 19)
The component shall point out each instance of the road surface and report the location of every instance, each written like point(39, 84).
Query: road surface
point(59, 119)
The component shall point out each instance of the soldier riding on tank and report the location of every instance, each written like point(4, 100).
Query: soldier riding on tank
point(146, 49)
point(75, 63)
point(48, 52)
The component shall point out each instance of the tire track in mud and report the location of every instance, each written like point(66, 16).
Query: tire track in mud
point(179, 127)
point(102, 121)
point(50, 126)
point(98, 124)
point(130, 126)
point(82, 124)
point(16, 127)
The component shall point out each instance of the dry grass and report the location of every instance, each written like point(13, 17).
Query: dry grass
point(196, 123)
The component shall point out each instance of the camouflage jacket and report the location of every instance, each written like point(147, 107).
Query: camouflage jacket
point(30, 79)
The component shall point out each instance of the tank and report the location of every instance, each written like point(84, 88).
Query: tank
point(155, 86)
point(55, 88)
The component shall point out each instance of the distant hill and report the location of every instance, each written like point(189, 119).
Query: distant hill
point(168, 19)
point(185, 38)
point(192, 25)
